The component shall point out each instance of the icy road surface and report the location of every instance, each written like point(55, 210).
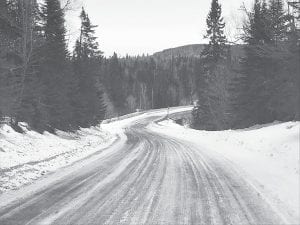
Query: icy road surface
point(148, 178)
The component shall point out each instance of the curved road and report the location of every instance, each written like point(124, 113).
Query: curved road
point(151, 179)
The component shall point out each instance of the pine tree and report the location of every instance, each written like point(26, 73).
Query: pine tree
point(88, 101)
point(284, 54)
point(55, 68)
point(215, 50)
point(257, 26)
point(278, 20)
point(212, 57)
point(87, 38)
point(242, 98)
point(114, 82)
point(252, 89)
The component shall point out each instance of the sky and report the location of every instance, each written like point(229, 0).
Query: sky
point(137, 27)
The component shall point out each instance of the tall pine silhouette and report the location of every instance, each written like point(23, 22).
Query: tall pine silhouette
point(55, 67)
point(248, 87)
point(211, 58)
point(263, 72)
point(88, 96)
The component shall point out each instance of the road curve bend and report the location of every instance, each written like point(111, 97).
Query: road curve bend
point(151, 179)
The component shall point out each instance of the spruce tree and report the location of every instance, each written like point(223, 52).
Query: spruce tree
point(88, 102)
point(114, 80)
point(278, 21)
point(212, 57)
point(284, 54)
point(201, 112)
point(55, 70)
point(215, 50)
point(251, 89)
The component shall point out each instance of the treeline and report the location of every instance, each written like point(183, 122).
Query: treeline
point(147, 82)
point(41, 82)
point(266, 83)
point(269, 82)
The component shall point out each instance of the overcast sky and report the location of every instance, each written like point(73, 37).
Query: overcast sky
point(146, 26)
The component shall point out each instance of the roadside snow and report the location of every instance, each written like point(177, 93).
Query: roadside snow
point(26, 157)
point(118, 125)
point(268, 155)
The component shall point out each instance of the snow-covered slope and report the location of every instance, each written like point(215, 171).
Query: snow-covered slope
point(268, 155)
point(26, 157)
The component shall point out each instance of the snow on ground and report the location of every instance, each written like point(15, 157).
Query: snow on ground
point(27, 157)
point(268, 155)
point(118, 125)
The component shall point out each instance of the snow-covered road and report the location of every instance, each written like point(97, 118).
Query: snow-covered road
point(147, 178)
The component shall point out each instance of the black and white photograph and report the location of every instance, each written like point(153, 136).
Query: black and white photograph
point(149, 112)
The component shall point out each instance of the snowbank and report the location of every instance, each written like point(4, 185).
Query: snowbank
point(26, 157)
point(268, 154)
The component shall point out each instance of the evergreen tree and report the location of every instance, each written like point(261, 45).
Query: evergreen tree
point(88, 98)
point(284, 53)
point(247, 88)
point(114, 82)
point(212, 57)
point(257, 84)
point(90, 47)
point(55, 69)
point(215, 50)
point(278, 20)
point(257, 25)
point(201, 117)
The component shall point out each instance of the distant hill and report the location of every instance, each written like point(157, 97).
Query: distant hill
point(187, 50)
point(195, 51)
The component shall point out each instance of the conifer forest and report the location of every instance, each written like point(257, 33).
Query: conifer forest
point(49, 86)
